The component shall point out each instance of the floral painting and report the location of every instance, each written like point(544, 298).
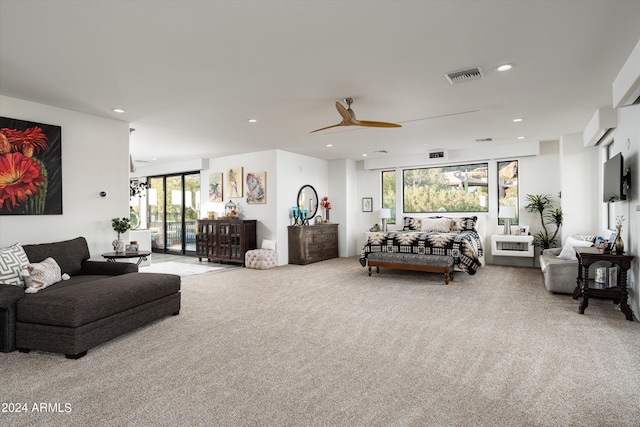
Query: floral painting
point(234, 182)
point(30, 168)
point(256, 187)
point(215, 187)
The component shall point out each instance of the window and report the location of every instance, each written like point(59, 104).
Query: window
point(508, 188)
point(461, 188)
point(389, 193)
point(174, 203)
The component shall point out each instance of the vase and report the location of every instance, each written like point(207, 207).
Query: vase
point(118, 245)
point(619, 244)
point(326, 215)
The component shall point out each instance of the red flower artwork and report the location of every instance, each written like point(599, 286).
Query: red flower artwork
point(26, 141)
point(20, 178)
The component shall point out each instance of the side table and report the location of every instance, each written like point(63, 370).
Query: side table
point(113, 256)
point(586, 287)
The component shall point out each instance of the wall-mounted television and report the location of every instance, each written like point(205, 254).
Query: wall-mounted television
point(614, 179)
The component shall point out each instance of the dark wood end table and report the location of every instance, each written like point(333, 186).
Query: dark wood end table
point(113, 256)
point(586, 287)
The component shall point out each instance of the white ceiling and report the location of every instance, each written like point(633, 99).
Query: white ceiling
point(191, 73)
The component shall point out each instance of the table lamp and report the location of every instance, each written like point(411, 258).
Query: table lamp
point(506, 213)
point(385, 214)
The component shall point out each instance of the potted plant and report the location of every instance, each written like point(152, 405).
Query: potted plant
point(549, 215)
point(120, 225)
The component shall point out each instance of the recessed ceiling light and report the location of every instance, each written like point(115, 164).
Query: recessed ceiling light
point(517, 120)
point(253, 121)
point(504, 67)
point(521, 137)
point(329, 145)
point(365, 155)
point(118, 110)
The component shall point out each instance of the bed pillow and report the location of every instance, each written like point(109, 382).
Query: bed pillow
point(39, 275)
point(12, 259)
point(440, 225)
point(411, 224)
point(567, 250)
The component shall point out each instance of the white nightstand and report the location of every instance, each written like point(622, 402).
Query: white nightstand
point(512, 245)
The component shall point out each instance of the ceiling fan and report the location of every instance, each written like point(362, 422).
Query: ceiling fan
point(349, 118)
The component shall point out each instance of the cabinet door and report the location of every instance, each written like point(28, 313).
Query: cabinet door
point(201, 238)
point(235, 234)
point(224, 241)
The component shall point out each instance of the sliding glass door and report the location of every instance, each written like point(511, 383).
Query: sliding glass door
point(174, 203)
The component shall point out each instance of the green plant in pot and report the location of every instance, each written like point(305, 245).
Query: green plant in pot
point(549, 216)
point(120, 225)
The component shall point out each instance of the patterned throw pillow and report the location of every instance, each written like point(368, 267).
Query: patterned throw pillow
point(39, 275)
point(588, 238)
point(468, 223)
point(411, 224)
point(12, 259)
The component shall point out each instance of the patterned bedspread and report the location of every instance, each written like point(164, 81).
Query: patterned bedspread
point(465, 247)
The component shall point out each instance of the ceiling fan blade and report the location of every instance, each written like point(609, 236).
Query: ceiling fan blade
point(376, 124)
point(328, 127)
point(346, 117)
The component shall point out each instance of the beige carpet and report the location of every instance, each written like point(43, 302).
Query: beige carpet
point(326, 345)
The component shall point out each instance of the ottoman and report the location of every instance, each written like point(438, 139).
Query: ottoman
point(261, 259)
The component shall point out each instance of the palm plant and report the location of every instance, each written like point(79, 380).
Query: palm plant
point(549, 215)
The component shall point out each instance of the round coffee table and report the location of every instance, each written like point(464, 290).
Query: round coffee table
point(113, 256)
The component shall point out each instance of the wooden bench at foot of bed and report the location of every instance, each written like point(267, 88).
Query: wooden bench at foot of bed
point(415, 262)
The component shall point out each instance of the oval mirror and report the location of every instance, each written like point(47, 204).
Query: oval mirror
point(308, 200)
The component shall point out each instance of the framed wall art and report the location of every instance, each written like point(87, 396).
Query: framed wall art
point(31, 155)
point(234, 183)
point(367, 204)
point(256, 187)
point(216, 193)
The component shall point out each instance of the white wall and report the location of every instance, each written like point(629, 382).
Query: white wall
point(627, 142)
point(579, 183)
point(286, 174)
point(95, 157)
point(343, 188)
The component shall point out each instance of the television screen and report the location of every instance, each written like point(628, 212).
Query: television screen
point(613, 180)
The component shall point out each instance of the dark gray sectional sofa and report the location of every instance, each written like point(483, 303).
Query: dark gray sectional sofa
point(100, 301)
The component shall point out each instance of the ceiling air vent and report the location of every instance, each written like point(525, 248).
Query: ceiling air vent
point(464, 75)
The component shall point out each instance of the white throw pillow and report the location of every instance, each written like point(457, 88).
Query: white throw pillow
point(440, 225)
point(39, 275)
point(567, 250)
point(12, 259)
point(269, 244)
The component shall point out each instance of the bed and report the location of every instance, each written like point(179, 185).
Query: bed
point(437, 237)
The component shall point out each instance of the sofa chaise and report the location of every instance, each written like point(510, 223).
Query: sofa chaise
point(100, 301)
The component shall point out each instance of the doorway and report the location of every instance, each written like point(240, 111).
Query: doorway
point(174, 205)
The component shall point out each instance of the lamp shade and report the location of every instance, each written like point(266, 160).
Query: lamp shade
point(385, 213)
point(507, 212)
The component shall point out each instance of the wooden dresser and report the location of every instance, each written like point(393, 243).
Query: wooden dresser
point(225, 240)
point(312, 243)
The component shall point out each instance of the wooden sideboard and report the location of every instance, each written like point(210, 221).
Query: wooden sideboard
point(225, 240)
point(312, 243)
